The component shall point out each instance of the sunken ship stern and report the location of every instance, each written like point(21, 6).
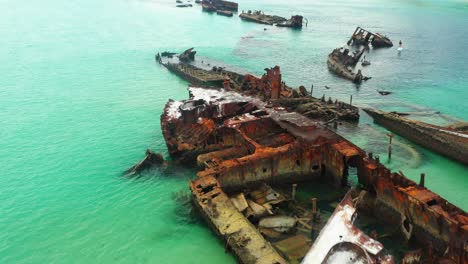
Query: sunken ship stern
point(441, 140)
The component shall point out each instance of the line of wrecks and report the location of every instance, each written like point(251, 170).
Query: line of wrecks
point(255, 140)
point(228, 8)
point(341, 61)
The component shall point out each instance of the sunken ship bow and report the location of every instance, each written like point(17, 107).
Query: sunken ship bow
point(364, 37)
point(246, 150)
point(341, 61)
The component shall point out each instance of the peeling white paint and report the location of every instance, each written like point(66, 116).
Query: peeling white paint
point(340, 229)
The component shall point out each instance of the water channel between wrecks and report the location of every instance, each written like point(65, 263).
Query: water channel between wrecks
point(82, 114)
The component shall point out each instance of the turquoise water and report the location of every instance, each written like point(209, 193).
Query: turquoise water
point(81, 96)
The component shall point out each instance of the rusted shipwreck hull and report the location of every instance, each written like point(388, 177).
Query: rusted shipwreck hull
point(181, 66)
point(269, 86)
point(365, 37)
point(439, 228)
point(340, 61)
point(241, 143)
point(444, 140)
point(261, 18)
point(215, 5)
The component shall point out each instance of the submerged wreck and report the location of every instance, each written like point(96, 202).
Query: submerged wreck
point(259, 17)
point(341, 62)
point(365, 37)
point(250, 153)
point(151, 160)
point(181, 65)
point(451, 141)
point(219, 5)
point(270, 87)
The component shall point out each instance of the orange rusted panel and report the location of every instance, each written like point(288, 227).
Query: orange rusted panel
point(422, 195)
point(345, 148)
point(286, 147)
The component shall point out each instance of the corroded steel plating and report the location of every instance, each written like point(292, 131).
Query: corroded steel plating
point(241, 141)
point(268, 87)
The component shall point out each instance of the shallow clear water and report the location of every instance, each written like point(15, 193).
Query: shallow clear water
point(81, 96)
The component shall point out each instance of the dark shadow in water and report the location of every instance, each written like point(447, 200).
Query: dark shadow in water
point(184, 211)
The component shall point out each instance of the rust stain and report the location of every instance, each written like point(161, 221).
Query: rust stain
point(277, 146)
point(346, 149)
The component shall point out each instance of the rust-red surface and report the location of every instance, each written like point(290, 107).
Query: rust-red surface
point(422, 195)
point(287, 147)
point(269, 84)
point(346, 149)
point(424, 208)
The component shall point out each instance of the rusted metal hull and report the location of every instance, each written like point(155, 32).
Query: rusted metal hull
point(342, 71)
point(241, 143)
point(445, 141)
point(260, 18)
point(196, 76)
point(365, 37)
point(215, 5)
point(439, 227)
point(381, 42)
point(269, 86)
point(340, 60)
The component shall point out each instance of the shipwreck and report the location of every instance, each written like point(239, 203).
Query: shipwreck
point(219, 5)
point(151, 160)
point(295, 21)
point(269, 86)
point(342, 62)
point(248, 151)
point(451, 141)
point(365, 37)
point(253, 149)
